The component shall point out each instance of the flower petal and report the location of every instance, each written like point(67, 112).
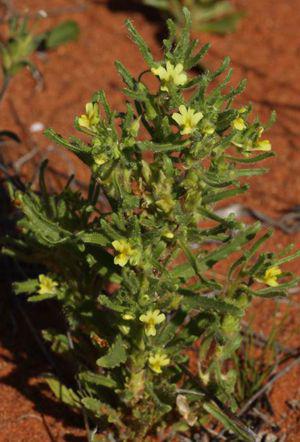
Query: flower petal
point(183, 110)
point(178, 118)
point(264, 145)
point(83, 121)
point(89, 108)
point(160, 318)
point(186, 131)
point(178, 68)
point(150, 330)
point(196, 118)
point(117, 245)
point(181, 79)
point(239, 124)
point(121, 259)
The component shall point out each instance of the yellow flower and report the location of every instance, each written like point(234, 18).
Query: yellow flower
point(208, 128)
point(187, 118)
point(126, 252)
point(158, 361)
point(270, 277)
point(166, 203)
point(168, 234)
point(239, 124)
point(135, 126)
point(100, 159)
point(128, 317)
point(263, 145)
point(125, 329)
point(47, 285)
point(151, 319)
point(170, 74)
point(90, 119)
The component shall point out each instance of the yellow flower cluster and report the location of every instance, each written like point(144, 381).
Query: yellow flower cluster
point(157, 361)
point(91, 118)
point(47, 285)
point(170, 75)
point(270, 277)
point(239, 124)
point(151, 319)
point(100, 159)
point(126, 252)
point(187, 119)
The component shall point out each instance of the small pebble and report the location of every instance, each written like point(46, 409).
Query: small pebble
point(37, 127)
point(42, 13)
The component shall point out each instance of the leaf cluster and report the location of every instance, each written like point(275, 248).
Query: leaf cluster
point(22, 42)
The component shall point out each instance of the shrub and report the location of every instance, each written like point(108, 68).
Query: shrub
point(132, 261)
point(20, 45)
point(22, 42)
point(218, 16)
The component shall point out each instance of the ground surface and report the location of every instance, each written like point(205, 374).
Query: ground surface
point(266, 51)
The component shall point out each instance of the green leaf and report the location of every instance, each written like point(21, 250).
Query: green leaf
point(158, 147)
point(260, 157)
point(59, 342)
point(160, 4)
point(193, 300)
point(126, 76)
point(231, 423)
point(225, 118)
point(169, 330)
point(41, 297)
point(115, 356)
point(83, 153)
point(198, 268)
point(183, 41)
point(214, 197)
point(193, 61)
point(287, 259)
point(93, 238)
point(101, 97)
point(248, 254)
point(97, 379)
point(140, 42)
point(48, 231)
point(28, 286)
point(101, 409)
point(250, 172)
point(184, 271)
point(223, 25)
point(160, 407)
point(61, 34)
point(272, 292)
point(93, 405)
point(234, 245)
point(65, 394)
point(111, 303)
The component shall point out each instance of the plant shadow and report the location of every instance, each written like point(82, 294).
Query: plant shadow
point(151, 14)
point(23, 354)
